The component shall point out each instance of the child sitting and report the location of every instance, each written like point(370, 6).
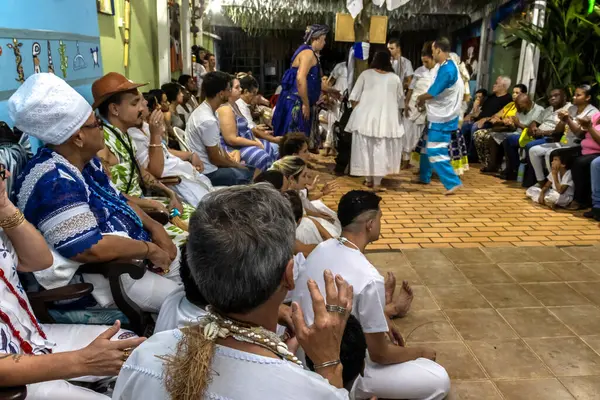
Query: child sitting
point(559, 189)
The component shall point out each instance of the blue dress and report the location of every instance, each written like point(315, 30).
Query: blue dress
point(252, 155)
point(288, 112)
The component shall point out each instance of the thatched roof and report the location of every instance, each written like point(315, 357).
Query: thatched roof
point(257, 15)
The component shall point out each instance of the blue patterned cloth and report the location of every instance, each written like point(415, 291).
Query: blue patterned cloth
point(252, 155)
point(71, 208)
point(288, 112)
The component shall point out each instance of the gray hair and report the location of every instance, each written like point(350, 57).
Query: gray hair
point(506, 81)
point(240, 241)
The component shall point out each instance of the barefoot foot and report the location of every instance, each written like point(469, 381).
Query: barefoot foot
point(403, 302)
point(453, 190)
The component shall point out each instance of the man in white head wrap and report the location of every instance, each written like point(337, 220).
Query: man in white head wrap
point(65, 193)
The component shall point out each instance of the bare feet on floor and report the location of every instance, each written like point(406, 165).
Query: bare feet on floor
point(453, 190)
point(398, 307)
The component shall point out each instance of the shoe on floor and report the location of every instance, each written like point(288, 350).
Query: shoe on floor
point(593, 213)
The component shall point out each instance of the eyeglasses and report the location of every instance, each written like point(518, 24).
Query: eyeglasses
point(99, 124)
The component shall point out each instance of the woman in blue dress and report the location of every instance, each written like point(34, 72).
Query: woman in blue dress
point(296, 109)
point(237, 135)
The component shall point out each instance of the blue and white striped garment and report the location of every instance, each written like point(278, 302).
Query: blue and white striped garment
point(252, 155)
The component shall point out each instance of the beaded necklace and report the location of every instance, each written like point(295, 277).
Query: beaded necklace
point(25, 346)
point(217, 326)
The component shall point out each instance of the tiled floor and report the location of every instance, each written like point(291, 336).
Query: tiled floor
point(507, 323)
point(487, 213)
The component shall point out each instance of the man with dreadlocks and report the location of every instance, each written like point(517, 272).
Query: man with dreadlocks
point(296, 109)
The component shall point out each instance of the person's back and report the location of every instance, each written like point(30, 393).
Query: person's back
point(256, 377)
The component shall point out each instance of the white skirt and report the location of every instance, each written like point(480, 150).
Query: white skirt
point(375, 156)
point(412, 135)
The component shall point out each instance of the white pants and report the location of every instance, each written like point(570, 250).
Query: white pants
point(551, 198)
point(537, 155)
point(69, 338)
point(410, 140)
point(420, 379)
point(192, 191)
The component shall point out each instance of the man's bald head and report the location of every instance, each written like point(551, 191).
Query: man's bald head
point(523, 102)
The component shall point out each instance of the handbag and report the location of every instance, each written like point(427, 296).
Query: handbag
point(525, 138)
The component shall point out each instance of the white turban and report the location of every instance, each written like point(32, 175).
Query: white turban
point(47, 108)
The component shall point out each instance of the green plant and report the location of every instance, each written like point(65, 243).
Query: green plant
point(568, 44)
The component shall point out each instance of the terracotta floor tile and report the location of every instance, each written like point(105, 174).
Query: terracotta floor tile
point(508, 359)
point(480, 324)
point(504, 256)
point(426, 326)
point(456, 358)
point(567, 356)
point(427, 257)
point(526, 244)
point(423, 299)
point(545, 254)
point(377, 247)
point(436, 245)
point(473, 390)
point(484, 273)
point(538, 389)
point(469, 245)
point(507, 296)
point(436, 275)
point(404, 246)
point(458, 297)
point(466, 256)
point(529, 272)
point(584, 253)
point(593, 341)
point(583, 320)
point(555, 294)
point(572, 271)
point(534, 322)
point(582, 387)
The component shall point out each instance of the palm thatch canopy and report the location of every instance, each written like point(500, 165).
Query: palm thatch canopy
point(255, 16)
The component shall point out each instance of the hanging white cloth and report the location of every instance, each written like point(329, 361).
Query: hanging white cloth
point(528, 68)
point(393, 4)
point(354, 7)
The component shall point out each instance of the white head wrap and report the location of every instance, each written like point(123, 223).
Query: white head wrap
point(47, 108)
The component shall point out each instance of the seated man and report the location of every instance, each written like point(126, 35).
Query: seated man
point(540, 131)
point(204, 135)
point(45, 356)
point(152, 154)
point(121, 107)
point(190, 85)
point(527, 113)
point(240, 259)
point(391, 371)
point(492, 104)
point(65, 193)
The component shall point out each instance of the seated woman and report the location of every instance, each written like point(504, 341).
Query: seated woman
point(45, 356)
point(236, 135)
point(309, 230)
point(584, 156)
point(503, 126)
point(152, 154)
point(296, 171)
point(569, 124)
point(249, 87)
point(233, 352)
point(175, 98)
point(65, 193)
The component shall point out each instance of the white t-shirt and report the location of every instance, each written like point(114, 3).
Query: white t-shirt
point(235, 375)
point(588, 111)
point(203, 131)
point(566, 179)
point(9, 304)
point(177, 311)
point(246, 113)
point(340, 74)
point(403, 72)
point(353, 266)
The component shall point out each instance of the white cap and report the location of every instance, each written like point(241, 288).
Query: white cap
point(47, 108)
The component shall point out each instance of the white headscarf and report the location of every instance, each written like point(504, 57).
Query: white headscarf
point(47, 108)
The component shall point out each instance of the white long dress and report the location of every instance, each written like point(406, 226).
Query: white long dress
point(307, 232)
point(376, 131)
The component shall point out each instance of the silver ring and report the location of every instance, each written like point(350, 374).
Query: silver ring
point(336, 308)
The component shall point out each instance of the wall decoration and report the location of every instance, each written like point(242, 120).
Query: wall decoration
point(344, 28)
point(50, 63)
point(106, 6)
point(470, 56)
point(36, 50)
point(15, 46)
point(94, 52)
point(0, 50)
point(64, 59)
point(378, 29)
point(78, 60)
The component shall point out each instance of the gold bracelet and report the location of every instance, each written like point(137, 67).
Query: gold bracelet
point(13, 221)
point(155, 145)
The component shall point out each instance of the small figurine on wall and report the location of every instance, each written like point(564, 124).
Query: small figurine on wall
point(15, 46)
point(50, 63)
point(78, 60)
point(36, 50)
point(64, 59)
point(94, 52)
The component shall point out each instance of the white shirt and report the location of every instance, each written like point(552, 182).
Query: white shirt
point(566, 179)
point(203, 131)
point(588, 111)
point(177, 312)
point(340, 74)
point(246, 113)
point(199, 72)
point(353, 266)
point(403, 69)
point(9, 304)
point(550, 117)
point(235, 375)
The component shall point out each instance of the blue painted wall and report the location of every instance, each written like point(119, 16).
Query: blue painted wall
point(72, 22)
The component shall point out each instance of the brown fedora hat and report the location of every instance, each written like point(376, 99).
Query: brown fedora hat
point(109, 84)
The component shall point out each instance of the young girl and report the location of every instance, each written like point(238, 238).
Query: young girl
point(559, 190)
point(294, 168)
